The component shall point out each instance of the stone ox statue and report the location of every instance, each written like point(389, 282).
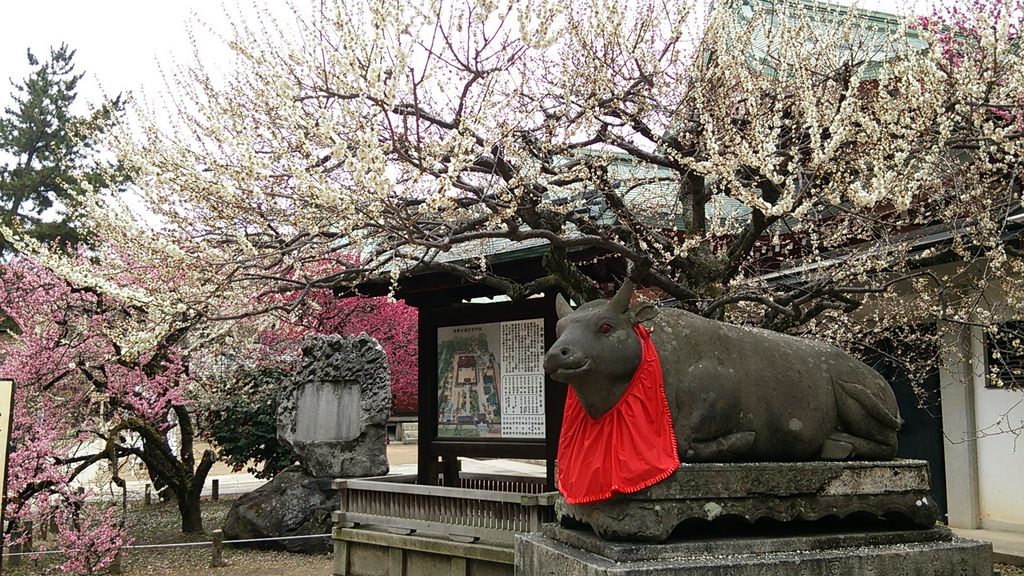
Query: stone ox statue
point(735, 393)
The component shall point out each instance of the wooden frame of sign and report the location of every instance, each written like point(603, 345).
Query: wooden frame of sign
point(6, 421)
point(495, 400)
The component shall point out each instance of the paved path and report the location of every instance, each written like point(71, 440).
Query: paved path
point(510, 467)
point(402, 459)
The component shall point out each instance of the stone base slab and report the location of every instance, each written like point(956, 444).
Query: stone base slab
point(895, 491)
point(936, 552)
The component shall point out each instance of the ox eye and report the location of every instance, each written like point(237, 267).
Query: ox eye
point(605, 328)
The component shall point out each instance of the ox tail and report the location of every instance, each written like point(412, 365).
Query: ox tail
point(870, 402)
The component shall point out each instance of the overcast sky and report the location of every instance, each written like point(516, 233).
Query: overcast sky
point(119, 42)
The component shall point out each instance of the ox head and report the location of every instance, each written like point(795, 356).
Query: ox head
point(597, 351)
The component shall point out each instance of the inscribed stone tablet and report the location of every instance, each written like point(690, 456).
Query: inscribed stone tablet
point(327, 411)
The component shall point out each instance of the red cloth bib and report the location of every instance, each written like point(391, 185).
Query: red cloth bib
point(630, 447)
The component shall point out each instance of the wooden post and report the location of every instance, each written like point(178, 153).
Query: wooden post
point(215, 490)
point(459, 566)
point(450, 467)
point(43, 533)
point(27, 545)
point(217, 555)
point(115, 564)
point(396, 562)
point(338, 516)
point(14, 549)
point(343, 502)
point(533, 514)
point(24, 546)
point(148, 498)
point(340, 563)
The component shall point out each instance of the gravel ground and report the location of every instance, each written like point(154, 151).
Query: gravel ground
point(161, 524)
point(241, 562)
point(1007, 570)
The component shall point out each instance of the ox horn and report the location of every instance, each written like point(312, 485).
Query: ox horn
point(562, 307)
point(620, 302)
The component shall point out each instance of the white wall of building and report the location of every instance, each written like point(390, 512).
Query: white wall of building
point(984, 430)
point(1000, 457)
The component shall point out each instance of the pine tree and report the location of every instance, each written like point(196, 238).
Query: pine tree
point(48, 154)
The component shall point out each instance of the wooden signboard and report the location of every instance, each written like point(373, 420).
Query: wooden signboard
point(482, 388)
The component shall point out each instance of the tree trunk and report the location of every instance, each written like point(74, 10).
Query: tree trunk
point(191, 513)
point(692, 185)
point(177, 474)
point(188, 499)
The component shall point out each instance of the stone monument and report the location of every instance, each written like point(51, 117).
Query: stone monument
point(333, 413)
point(677, 426)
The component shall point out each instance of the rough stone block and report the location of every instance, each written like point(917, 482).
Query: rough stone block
point(292, 504)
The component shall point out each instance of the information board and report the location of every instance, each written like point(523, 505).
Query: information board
point(491, 379)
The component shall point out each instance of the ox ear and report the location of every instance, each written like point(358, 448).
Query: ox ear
point(562, 307)
point(642, 312)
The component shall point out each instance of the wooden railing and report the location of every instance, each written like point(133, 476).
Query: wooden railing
point(488, 508)
point(502, 483)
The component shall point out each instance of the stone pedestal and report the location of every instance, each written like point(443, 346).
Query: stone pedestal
point(760, 519)
point(934, 552)
point(895, 491)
